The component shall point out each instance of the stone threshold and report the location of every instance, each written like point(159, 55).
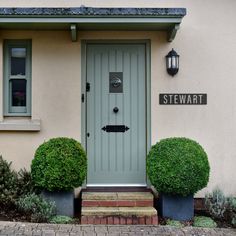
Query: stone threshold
point(117, 196)
point(118, 211)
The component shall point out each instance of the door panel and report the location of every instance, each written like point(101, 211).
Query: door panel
point(116, 158)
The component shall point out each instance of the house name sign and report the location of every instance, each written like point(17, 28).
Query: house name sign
point(182, 98)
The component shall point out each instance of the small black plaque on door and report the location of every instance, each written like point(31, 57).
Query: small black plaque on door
point(116, 82)
point(115, 128)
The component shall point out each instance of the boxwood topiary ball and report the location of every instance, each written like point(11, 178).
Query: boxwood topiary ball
point(59, 164)
point(178, 166)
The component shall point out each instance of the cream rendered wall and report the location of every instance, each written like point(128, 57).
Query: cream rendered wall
point(206, 44)
point(55, 94)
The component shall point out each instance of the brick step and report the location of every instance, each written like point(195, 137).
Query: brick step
point(119, 215)
point(117, 199)
point(117, 203)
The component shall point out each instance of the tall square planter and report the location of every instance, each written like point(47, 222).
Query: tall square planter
point(176, 207)
point(64, 201)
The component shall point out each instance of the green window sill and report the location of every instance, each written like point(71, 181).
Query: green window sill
point(20, 125)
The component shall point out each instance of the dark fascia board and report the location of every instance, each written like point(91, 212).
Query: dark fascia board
point(92, 11)
point(98, 16)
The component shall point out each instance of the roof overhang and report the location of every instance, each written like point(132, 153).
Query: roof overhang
point(88, 18)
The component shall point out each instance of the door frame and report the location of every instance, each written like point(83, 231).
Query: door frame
point(84, 44)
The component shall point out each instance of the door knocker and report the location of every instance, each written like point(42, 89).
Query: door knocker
point(116, 82)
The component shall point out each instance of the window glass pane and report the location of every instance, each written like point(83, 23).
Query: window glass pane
point(18, 61)
point(18, 87)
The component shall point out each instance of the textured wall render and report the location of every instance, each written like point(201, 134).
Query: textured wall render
point(205, 43)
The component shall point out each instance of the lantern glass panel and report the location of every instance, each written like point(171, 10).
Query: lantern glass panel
point(168, 62)
point(173, 62)
point(177, 62)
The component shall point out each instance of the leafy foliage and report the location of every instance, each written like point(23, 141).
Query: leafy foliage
point(8, 183)
point(221, 207)
point(216, 204)
point(232, 211)
point(178, 166)
point(13, 184)
point(233, 222)
point(61, 219)
point(59, 164)
point(174, 223)
point(24, 183)
point(203, 221)
point(36, 208)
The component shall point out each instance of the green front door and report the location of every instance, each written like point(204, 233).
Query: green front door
point(116, 114)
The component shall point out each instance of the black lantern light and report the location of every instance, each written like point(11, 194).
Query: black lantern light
point(172, 62)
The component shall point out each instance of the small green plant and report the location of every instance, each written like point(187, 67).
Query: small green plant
point(233, 222)
point(59, 164)
point(61, 220)
point(178, 166)
point(216, 203)
point(221, 207)
point(24, 183)
point(13, 184)
point(232, 210)
point(8, 184)
point(203, 221)
point(174, 223)
point(36, 208)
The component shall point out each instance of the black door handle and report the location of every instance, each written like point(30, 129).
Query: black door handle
point(115, 109)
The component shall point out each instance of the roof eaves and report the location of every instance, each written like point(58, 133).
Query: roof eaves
point(92, 11)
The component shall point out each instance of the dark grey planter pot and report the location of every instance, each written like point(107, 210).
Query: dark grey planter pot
point(64, 201)
point(176, 207)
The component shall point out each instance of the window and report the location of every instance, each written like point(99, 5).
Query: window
point(17, 77)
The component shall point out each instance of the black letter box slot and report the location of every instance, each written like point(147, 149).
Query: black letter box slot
point(115, 128)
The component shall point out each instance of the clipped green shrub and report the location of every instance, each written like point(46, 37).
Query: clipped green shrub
point(61, 220)
point(36, 208)
point(203, 221)
point(59, 164)
point(174, 223)
point(8, 184)
point(178, 166)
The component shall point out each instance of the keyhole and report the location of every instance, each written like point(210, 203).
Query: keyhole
point(115, 109)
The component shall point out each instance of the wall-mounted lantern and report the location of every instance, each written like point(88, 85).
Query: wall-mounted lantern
point(172, 62)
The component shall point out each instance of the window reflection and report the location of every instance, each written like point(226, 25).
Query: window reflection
point(18, 61)
point(18, 87)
